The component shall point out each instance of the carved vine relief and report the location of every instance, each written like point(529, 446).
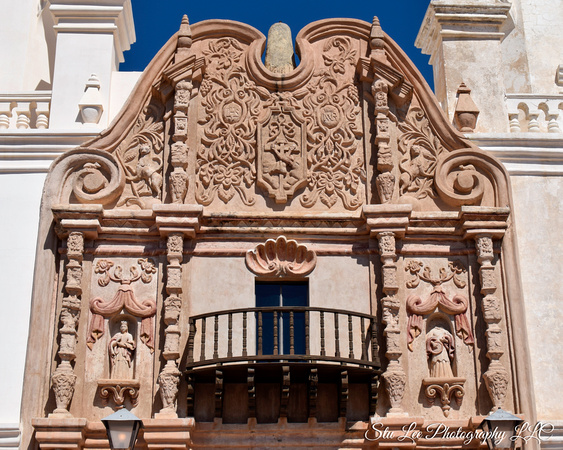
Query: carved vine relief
point(283, 141)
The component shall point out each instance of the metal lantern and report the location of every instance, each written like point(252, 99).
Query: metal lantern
point(122, 429)
point(500, 427)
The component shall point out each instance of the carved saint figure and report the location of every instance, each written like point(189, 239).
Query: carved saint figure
point(148, 169)
point(121, 347)
point(440, 350)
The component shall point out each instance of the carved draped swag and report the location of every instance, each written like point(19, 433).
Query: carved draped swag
point(125, 299)
point(457, 306)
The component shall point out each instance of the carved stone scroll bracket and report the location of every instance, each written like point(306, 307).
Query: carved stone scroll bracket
point(484, 225)
point(63, 378)
point(281, 258)
point(118, 391)
point(444, 389)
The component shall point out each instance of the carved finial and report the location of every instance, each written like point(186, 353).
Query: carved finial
point(185, 33)
point(376, 35)
point(466, 111)
point(279, 49)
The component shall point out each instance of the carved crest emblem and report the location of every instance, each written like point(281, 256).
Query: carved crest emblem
point(281, 161)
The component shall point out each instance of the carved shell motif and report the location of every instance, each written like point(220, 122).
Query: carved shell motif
point(281, 258)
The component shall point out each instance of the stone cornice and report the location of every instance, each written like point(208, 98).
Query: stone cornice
point(524, 153)
point(87, 16)
point(33, 151)
point(469, 20)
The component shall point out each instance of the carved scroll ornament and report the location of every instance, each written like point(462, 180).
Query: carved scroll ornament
point(281, 258)
point(124, 299)
point(417, 308)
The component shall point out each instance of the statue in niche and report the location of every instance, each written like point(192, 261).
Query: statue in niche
point(121, 348)
point(440, 350)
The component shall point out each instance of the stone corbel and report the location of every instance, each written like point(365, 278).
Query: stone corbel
point(484, 225)
point(175, 223)
point(386, 223)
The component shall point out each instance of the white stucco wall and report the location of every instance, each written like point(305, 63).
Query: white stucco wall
point(538, 212)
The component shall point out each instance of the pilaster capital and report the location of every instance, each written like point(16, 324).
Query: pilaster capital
point(387, 218)
point(478, 221)
point(174, 218)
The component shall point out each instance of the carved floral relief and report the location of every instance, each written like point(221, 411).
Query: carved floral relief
point(227, 153)
point(335, 160)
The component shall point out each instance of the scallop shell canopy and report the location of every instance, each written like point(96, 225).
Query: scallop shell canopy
point(281, 258)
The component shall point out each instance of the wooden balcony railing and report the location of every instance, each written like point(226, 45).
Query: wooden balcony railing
point(280, 334)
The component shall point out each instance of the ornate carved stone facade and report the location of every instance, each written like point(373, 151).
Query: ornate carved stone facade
point(313, 228)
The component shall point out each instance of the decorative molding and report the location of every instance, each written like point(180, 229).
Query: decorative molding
point(281, 258)
point(118, 391)
point(10, 435)
point(444, 389)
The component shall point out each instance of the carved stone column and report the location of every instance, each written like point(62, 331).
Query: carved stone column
point(169, 377)
point(386, 223)
point(63, 378)
point(176, 223)
point(395, 377)
point(496, 377)
point(483, 225)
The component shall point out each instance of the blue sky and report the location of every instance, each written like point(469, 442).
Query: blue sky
point(154, 25)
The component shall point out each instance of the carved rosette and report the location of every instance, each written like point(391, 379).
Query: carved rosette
point(395, 377)
point(169, 377)
point(281, 258)
point(332, 112)
point(63, 378)
point(496, 377)
point(282, 161)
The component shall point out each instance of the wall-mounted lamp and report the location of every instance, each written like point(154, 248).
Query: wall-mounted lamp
point(500, 427)
point(122, 428)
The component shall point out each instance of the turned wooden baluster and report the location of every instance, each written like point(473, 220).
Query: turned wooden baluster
point(203, 333)
point(230, 337)
point(191, 341)
point(307, 351)
point(244, 331)
point(291, 335)
point(364, 339)
point(336, 337)
point(275, 332)
point(350, 337)
point(216, 338)
point(260, 333)
point(323, 351)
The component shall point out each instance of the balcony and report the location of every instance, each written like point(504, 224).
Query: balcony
point(268, 363)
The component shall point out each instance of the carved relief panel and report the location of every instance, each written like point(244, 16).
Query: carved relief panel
point(440, 316)
point(120, 340)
